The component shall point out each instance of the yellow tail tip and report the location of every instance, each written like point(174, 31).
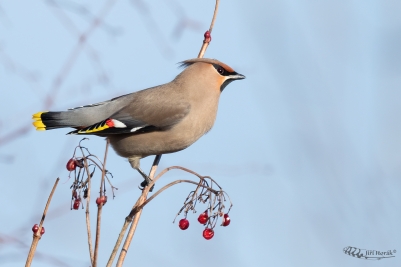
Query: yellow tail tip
point(37, 116)
point(38, 124)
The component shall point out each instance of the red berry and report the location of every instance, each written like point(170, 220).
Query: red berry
point(77, 203)
point(183, 224)
point(101, 200)
point(208, 37)
point(208, 233)
point(226, 220)
point(203, 217)
point(35, 228)
point(71, 165)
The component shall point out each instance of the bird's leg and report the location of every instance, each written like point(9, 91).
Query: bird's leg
point(134, 161)
point(147, 178)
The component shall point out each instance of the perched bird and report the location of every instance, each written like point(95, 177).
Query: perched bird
point(158, 120)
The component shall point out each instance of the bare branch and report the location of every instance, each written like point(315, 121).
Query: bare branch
point(88, 224)
point(134, 224)
point(134, 211)
point(100, 206)
point(37, 235)
point(207, 40)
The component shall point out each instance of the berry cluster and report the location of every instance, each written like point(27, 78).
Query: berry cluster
point(215, 199)
point(78, 167)
point(208, 233)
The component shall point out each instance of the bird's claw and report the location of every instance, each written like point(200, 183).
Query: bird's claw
point(145, 183)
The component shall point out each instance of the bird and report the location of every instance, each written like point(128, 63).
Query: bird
point(158, 120)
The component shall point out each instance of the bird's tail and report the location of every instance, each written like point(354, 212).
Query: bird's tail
point(46, 120)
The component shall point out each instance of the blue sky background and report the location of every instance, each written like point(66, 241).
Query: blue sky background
point(308, 146)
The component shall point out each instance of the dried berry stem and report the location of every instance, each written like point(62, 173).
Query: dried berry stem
point(134, 221)
point(184, 169)
point(206, 42)
point(104, 166)
point(99, 207)
point(37, 235)
point(100, 167)
point(140, 207)
point(88, 224)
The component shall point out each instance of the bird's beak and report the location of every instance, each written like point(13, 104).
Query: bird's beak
point(237, 76)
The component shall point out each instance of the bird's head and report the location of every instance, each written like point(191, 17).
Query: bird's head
point(213, 69)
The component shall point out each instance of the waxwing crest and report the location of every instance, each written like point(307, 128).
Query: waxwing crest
point(189, 62)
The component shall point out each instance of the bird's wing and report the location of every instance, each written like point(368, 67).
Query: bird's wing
point(142, 111)
point(114, 126)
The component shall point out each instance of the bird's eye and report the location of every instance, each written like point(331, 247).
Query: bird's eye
point(220, 70)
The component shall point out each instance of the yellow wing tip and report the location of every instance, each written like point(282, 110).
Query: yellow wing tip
point(98, 129)
point(40, 129)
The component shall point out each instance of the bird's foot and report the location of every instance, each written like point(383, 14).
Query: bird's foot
point(145, 183)
point(146, 178)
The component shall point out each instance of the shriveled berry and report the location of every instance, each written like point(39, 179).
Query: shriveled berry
point(101, 200)
point(80, 163)
point(76, 204)
point(203, 217)
point(183, 224)
point(71, 165)
point(208, 233)
point(226, 220)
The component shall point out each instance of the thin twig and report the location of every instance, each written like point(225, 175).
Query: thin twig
point(88, 224)
point(135, 220)
point(140, 207)
point(206, 41)
point(127, 222)
point(119, 239)
point(99, 207)
point(104, 166)
point(37, 235)
point(132, 229)
point(184, 169)
point(129, 219)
